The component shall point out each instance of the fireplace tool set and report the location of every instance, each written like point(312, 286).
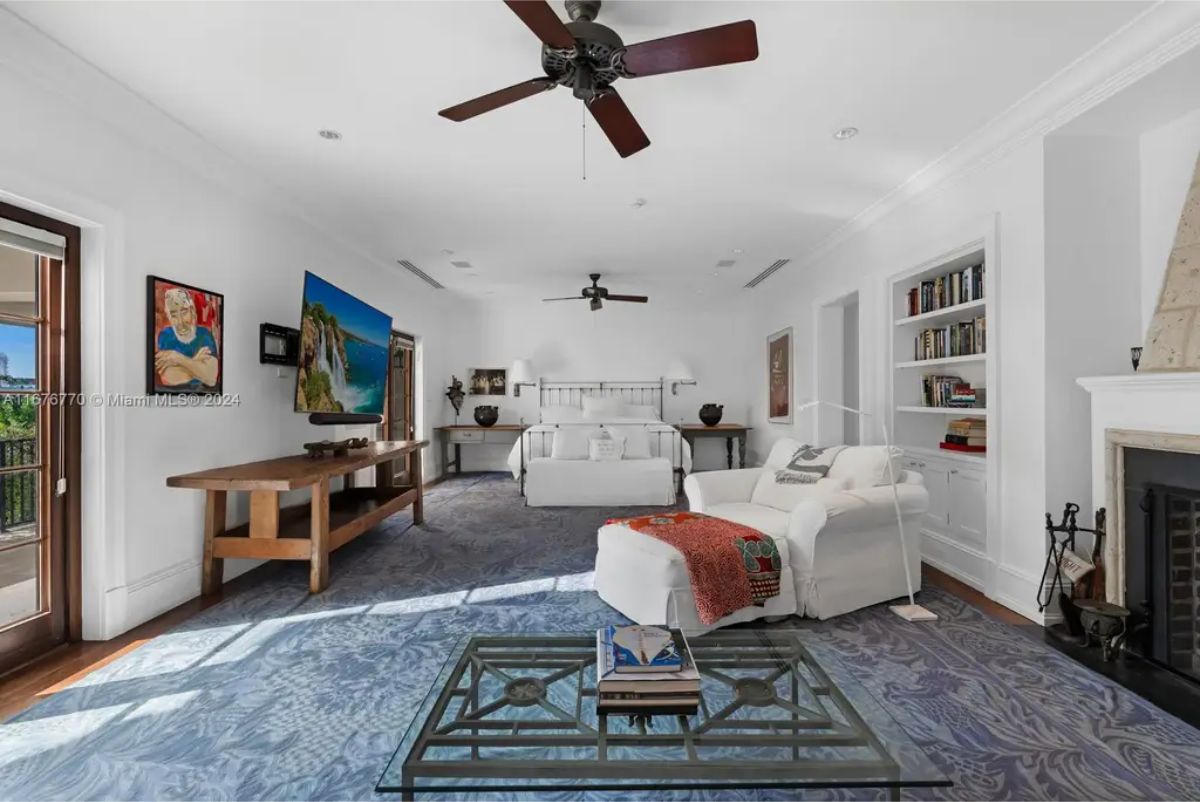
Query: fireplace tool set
point(1080, 583)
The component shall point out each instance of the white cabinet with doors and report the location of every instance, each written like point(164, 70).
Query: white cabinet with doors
point(954, 529)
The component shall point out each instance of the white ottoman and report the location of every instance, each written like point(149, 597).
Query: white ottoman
point(637, 574)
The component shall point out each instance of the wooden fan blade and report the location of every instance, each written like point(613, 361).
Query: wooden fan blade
point(710, 47)
point(636, 299)
point(542, 20)
point(618, 123)
point(568, 298)
point(493, 101)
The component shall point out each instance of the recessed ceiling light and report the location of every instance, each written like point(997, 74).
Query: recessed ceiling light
point(638, 203)
point(738, 250)
point(849, 132)
point(448, 251)
point(330, 134)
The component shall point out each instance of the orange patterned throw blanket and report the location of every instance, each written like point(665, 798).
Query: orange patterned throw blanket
point(730, 566)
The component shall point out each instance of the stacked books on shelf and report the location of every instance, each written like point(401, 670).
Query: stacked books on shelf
point(966, 434)
point(950, 391)
point(642, 671)
point(955, 288)
point(957, 339)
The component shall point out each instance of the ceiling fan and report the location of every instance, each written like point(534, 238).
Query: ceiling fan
point(590, 57)
point(597, 295)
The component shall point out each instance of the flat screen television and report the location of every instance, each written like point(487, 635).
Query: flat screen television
point(343, 360)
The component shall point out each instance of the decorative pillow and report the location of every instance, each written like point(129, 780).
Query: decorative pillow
point(570, 442)
point(603, 447)
point(781, 453)
point(637, 441)
point(644, 411)
point(602, 407)
point(864, 466)
point(561, 414)
point(785, 496)
point(808, 465)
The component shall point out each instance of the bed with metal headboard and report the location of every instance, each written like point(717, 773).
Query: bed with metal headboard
point(655, 455)
point(571, 394)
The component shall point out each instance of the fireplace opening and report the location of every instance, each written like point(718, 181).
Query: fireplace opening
point(1162, 557)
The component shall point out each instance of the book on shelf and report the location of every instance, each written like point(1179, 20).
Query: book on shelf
point(964, 449)
point(966, 435)
point(951, 289)
point(949, 391)
point(955, 339)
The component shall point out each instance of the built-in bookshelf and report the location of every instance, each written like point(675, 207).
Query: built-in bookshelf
point(939, 357)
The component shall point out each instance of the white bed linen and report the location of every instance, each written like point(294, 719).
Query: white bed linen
point(665, 442)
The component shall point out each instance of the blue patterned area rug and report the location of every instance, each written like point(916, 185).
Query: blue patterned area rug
point(276, 694)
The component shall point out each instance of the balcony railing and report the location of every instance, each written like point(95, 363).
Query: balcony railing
point(18, 491)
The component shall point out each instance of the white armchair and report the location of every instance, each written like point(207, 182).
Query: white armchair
point(841, 533)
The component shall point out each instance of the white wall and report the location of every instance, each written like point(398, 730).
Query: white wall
point(1008, 191)
point(1168, 159)
point(622, 342)
point(154, 199)
point(1092, 293)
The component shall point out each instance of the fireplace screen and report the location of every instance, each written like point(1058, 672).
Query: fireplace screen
point(1170, 588)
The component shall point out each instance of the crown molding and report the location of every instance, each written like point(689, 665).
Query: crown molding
point(1158, 35)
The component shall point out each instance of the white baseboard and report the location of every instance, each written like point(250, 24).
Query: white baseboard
point(154, 594)
point(1017, 590)
point(955, 559)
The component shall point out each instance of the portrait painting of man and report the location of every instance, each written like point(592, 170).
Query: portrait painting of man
point(185, 331)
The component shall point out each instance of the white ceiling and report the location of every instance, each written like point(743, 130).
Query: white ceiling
point(742, 156)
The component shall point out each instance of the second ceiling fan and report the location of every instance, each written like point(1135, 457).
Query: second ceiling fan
point(589, 57)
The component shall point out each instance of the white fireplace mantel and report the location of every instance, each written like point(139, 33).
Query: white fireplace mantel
point(1145, 410)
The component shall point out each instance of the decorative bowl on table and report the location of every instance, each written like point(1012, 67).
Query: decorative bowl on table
point(487, 415)
point(710, 414)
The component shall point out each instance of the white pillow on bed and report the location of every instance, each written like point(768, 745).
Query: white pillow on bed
point(602, 407)
point(561, 414)
point(604, 446)
point(646, 411)
point(637, 441)
point(570, 443)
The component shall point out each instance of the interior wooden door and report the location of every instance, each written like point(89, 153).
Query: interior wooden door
point(39, 435)
point(401, 405)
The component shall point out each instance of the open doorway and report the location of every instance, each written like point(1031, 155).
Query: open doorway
point(400, 422)
point(838, 370)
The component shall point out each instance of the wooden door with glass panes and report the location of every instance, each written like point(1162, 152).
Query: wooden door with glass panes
point(401, 406)
point(39, 430)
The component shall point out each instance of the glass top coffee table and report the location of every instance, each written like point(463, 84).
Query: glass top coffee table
point(778, 710)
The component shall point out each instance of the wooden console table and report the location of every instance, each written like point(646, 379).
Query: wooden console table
point(729, 431)
point(456, 436)
point(306, 531)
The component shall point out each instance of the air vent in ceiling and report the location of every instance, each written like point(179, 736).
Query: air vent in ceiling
point(419, 273)
point(726, 263)
point(462, 265)
point(763, 276)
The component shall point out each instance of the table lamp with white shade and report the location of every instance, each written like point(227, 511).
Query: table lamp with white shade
point(678, 372)
point(521, 375)
point(911, 611)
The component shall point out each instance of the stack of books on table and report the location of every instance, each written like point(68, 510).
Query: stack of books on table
point(966, 434)
point(642, 671)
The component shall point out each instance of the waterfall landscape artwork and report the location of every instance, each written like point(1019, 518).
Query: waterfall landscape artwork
point(343, 352)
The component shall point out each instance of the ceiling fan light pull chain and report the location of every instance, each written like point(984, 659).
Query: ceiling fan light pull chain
point(583, 136)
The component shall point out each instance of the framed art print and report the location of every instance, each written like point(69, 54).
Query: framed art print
point(488, 381)
point(185, 338)
point(779, 376)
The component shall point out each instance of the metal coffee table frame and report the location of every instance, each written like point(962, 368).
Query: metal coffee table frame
point(781, 716)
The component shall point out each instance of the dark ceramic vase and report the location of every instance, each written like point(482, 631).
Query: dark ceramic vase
point(487, 415)
point(710, 414)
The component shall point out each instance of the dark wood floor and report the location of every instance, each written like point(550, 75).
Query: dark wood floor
point(68, 664)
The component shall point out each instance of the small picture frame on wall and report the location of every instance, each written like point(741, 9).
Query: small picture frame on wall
point(488, 381)
point(779, 376)
point(185, 339)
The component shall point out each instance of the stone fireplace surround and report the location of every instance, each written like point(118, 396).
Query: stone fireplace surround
point(1154, 411)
